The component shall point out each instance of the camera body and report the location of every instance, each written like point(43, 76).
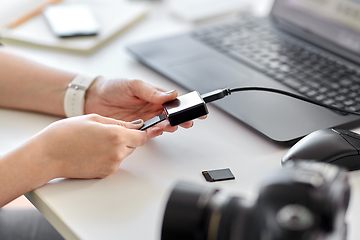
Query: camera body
point(303, 201)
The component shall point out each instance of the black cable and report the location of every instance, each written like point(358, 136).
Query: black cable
point(218, 94)
point(221, 93)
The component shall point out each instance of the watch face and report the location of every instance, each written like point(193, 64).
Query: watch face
point(71, 20)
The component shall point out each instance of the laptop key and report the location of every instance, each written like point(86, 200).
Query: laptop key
point(355, 78)
point(292, 83)
point(320, 98)
point(349, 102)
point(345, 82)
point(340, 98)
point(311, 93)
point(331, 94)
point(355, 108)
point(329, 101)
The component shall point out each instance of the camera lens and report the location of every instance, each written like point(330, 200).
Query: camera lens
point(295, 217)
point(187, 213)
point(198, 213)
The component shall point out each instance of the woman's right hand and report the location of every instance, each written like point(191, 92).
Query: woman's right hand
point(89, 146)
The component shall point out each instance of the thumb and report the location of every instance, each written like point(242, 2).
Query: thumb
point(151, 94)
point(137, 124)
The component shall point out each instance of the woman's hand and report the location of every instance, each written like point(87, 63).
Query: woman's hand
point(89, 146)
point(129, 100)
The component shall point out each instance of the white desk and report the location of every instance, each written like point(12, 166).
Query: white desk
point(130, 203)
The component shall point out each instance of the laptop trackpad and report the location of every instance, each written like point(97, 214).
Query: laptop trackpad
point(208, 73)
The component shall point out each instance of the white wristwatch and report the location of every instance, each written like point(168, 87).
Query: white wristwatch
point(75, 95)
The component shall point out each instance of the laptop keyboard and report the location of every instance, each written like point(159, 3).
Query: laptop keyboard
point(303, 68)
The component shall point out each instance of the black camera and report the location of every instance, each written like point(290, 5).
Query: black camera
point(303, 201)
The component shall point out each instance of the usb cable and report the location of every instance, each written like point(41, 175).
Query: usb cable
point(221, 93)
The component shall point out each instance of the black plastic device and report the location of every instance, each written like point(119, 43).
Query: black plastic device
point(183, 109)
point(218, 175)
point(335, 146)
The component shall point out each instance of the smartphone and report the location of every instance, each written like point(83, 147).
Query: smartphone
point(71, 20)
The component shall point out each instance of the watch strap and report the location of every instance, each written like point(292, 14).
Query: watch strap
point(75, 95)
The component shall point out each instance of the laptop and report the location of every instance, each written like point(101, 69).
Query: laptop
point(307, 47)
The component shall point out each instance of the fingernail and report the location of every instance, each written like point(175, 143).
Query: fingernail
point(137, 121)
point(169, 92)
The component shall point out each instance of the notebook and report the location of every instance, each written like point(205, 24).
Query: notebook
point(113, 16)
point(310, 48)
point(199, 10)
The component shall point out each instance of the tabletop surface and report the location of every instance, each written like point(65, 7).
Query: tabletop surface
point(130, 203)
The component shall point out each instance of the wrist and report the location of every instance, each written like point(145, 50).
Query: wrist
point(23, 170)
point(93, 96)
point(34, 153)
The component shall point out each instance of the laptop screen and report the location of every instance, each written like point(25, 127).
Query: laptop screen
point(337, 21)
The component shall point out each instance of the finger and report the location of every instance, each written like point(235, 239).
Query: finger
point(166, 127)
point(154, 132)
point(137, 124)
point(101, 119)
point(188, 124)
point(151, 94)
point(133, 138)
point(128, 150)
point(130, 136)
point(125, 151)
